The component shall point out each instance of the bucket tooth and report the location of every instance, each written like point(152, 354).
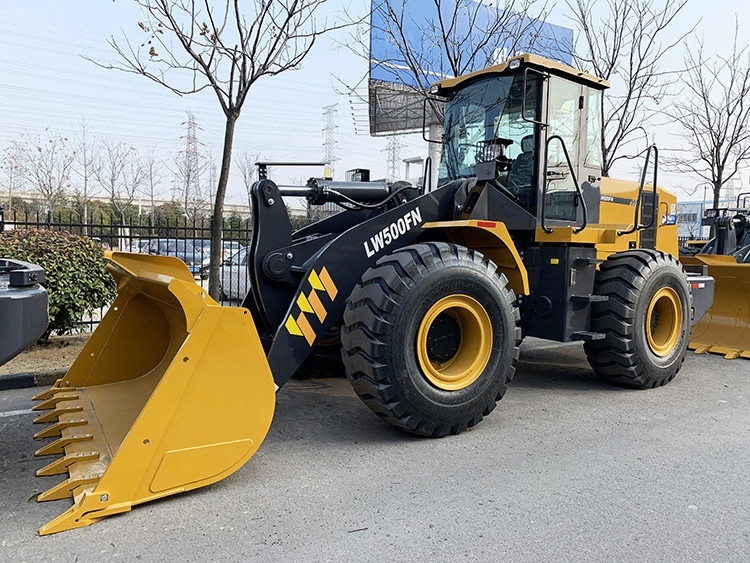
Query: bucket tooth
point(61, 466)
point(56, 429)
point(53, 416)
point(47, 393)
point(67, 488)
point(59, 445)
point(700, 348)
point(51, 403)
point(88, 508)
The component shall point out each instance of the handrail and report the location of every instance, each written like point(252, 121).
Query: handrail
point(426, 99)
point(637, 226)
point(546, 229)
point(426, 176)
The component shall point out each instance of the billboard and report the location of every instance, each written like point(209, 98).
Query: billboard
point(471, 29)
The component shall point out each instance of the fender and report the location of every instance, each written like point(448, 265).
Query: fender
point(493, 240)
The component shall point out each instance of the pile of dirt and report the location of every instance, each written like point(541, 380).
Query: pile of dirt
point(53, 357)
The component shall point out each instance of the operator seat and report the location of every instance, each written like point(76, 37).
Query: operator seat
point(726, 236)
point(521, 171)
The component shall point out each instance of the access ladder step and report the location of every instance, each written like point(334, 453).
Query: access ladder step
point(587, 336)
point(580, 301)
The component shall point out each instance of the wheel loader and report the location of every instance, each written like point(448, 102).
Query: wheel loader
point(24, 305)
point(725, 329)
point(431, 290)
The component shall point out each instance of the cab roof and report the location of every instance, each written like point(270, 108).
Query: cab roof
point(526, 60)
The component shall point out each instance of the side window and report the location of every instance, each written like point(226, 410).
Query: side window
point(594, 130)
point(564, 120)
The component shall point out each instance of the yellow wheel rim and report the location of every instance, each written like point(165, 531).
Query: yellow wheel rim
point(472, 349)
point(664, 321)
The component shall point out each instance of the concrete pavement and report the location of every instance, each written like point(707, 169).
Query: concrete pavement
point(567, 468)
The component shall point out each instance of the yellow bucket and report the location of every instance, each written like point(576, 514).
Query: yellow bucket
point(171, 393)
point(725, 328)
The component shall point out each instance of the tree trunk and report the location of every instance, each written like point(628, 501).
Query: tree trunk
point(85, 230)
point(605, 154)
point(217, 221)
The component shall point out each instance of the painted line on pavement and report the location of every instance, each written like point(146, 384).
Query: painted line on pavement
point(15, 413)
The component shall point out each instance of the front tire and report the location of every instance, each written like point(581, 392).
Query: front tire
point(430, 338)
point(646, 320)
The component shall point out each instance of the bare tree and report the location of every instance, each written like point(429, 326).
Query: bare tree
point(624, 42)
point(224, 47)
point(47, 164)
point(714, 112)
point(85, 170)
point(12, 167)
point(120, 173)
point(152, 178)
point(427, 41)
point(454, 37)
point(246, 165)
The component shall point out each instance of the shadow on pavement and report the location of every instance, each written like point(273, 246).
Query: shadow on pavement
point(556, 366)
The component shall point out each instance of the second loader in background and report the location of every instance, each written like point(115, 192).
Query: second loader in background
point(431, 291)
point(725, 329)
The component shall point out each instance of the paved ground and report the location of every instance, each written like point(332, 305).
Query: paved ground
point(566, 469)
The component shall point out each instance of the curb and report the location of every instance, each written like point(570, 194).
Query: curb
point(27, 379)
point(17, 381)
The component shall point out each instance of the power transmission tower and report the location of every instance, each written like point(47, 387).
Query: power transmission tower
point(393, 150)
point(190, 166)
point(329, 133)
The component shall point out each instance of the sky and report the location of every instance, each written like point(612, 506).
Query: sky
point(46, 83)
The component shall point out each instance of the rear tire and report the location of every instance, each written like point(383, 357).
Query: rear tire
point(647, 319)
point(430, 338)
point(325, 359)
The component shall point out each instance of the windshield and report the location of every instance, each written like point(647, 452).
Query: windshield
point(176, 246)
point(483, 122)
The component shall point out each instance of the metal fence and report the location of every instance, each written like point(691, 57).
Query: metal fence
point(185, 238)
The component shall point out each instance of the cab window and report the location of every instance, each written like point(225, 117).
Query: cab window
point(594, 130)
point(564, 120)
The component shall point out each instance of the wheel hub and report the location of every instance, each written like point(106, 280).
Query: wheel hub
point(443, 338)
point(454, 342)
point(664, 321)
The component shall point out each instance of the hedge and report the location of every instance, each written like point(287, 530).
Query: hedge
point(75, 274)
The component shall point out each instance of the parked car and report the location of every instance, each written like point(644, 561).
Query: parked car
point(180, 248)
point(139, 245)
point(235, 276)
point(228, 249)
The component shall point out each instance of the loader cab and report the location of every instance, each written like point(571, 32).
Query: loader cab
point(510, 127)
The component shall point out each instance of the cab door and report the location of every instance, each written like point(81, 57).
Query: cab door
point(565, 103)
point(573, 124)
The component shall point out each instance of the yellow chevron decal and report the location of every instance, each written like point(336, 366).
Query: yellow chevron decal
point(317, 305)
point(306, 329)
point(315, 281)
point(331, 289)
point(292, 327)
point(312, 304)
point(304, 304)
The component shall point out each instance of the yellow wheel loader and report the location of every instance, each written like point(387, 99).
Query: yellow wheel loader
point(725, 329)
point(432, 292)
